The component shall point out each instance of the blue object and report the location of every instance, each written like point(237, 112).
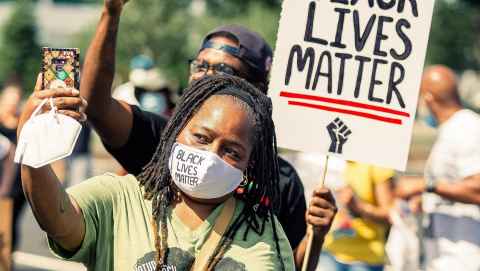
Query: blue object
point(154, 102)
point(141, 62)
point(327, 262)
point(431, 121)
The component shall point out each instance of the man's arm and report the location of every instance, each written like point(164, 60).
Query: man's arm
point(112, 119)
point(466, 190)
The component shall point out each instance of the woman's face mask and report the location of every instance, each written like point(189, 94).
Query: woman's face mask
point(202, 174)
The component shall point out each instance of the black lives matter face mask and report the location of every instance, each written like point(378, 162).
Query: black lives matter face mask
point(202, 174)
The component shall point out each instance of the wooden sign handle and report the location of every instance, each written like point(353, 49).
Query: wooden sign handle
point(310, 259)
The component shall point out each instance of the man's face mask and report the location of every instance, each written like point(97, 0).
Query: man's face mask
point(431, 121)
point(202, 174)
point(46, 137)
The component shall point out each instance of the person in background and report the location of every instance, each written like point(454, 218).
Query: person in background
point(10, 105)
point(450, 188)
point(357, 239)
point(147, 88)
point(7, 173)
point(78, 166)
point(10, 100)
point(7, 166)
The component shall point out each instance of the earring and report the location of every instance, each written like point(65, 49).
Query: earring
point(243, 185)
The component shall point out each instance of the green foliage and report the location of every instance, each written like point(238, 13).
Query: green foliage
point(157, 28)
point(472, 2)
point(19, 51)
point(228, 8)
point(169, 31)
point(452, 38)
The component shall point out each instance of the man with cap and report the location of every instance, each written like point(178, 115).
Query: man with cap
point(450, 188)
point(129, 133)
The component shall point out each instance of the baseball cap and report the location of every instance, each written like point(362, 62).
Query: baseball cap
point(253, 50)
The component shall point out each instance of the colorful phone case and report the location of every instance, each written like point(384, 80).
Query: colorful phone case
point(60, 68)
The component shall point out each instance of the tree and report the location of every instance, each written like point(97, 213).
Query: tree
point(19, 51)
point(474, 3)
point(160, 29)
point(170, 31)
point(228, 8)
point(452, 37)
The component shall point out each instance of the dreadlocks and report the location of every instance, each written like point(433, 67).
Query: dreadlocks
point(262, 173)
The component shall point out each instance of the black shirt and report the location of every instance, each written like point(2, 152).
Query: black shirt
point(16, 190)
point(145, 136)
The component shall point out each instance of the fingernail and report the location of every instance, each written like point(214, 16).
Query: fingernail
point(75, 92)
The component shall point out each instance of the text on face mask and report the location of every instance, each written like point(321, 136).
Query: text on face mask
point(187, 170)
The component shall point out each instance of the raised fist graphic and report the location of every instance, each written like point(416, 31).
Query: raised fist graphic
point(339, 133)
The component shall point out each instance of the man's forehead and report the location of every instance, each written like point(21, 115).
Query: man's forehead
point(224, 40)
point(214, 56)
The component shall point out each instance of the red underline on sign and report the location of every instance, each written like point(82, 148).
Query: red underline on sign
point(348, 112)
point(343, 102)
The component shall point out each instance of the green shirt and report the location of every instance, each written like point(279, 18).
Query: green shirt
point(119, 233)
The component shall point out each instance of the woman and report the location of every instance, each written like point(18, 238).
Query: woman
point(221, 135)
point(357, 239)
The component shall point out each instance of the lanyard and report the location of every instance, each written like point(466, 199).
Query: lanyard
point(218, 230)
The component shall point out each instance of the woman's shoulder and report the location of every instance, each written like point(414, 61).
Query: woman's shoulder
point(108, 186)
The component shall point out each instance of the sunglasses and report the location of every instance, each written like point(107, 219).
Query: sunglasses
point(197, 66)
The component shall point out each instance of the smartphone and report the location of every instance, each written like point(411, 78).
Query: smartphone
point(60, 68)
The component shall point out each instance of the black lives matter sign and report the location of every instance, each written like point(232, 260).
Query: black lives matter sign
point(346, 77)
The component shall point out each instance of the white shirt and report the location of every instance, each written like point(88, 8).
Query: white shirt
point(453, 232)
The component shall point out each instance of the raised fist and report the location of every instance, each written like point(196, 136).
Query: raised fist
point(339, 133)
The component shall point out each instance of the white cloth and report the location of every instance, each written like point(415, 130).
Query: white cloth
point(4, 146)
point(126, 93)
point(310, 168)
point(452, 233)
point(403, 246)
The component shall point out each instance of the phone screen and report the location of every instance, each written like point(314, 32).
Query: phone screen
point(60, 68)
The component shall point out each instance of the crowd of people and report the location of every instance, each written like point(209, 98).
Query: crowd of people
point(200, 190)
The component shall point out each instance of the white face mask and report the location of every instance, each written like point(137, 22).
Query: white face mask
point(202, 174)
point(46, 137)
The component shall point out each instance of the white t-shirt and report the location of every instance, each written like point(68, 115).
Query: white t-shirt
point(452, 233)
point(4, 146)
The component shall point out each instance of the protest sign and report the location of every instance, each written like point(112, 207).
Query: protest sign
point(346, 77)
point(5, 234)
